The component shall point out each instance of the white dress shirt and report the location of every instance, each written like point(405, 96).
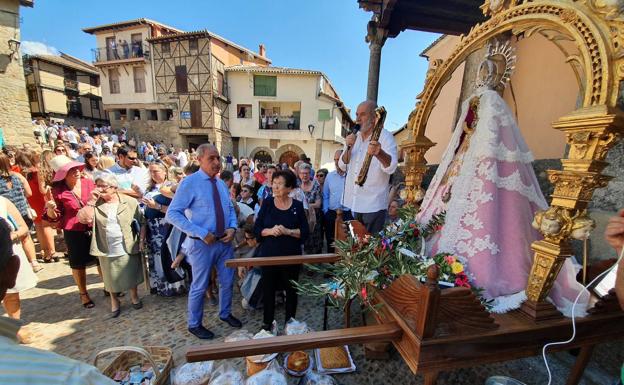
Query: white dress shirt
point(126, 178)
point(373, 196)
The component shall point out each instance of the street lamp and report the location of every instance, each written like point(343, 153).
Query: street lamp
point(311, 128)
point(13, 47)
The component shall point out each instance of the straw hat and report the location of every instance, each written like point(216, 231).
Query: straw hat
point(61, 166)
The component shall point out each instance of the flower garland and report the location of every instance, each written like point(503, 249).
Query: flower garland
point(373, 262)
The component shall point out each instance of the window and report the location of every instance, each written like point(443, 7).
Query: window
point(152, 114)
point(164, 47)
point(193, 44)
point(220, 83)
point(196, 113)
point(70, 74)
point(323, 115)
point(181, 80)
point(243, 111)
point(113, 81)
point(95, 105)
point(139, 79)
point(265, 85)
point(94, 80)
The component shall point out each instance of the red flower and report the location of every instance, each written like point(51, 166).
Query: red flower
point(364, 293)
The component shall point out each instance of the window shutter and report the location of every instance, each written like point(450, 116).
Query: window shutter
point(181, 80)
point(265, 85)
point(196, 113)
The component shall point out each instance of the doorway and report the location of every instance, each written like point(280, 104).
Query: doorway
point(289, 157)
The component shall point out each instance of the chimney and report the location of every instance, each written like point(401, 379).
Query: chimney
point(262, 50)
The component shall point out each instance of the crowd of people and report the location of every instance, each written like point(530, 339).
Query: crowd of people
point(174, 217)
point(141, 210)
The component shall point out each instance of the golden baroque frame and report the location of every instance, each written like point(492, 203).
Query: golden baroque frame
point(597, 29)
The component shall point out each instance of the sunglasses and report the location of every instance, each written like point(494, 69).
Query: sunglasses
point(321, 175)
point(249, 238)
point(131, 157)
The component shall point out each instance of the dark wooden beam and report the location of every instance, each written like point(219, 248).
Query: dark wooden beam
point(283, 261)
point(377, 333)
point(449, 16)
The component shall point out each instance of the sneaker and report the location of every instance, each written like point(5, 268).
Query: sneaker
point(201, 333)
point(232, 321)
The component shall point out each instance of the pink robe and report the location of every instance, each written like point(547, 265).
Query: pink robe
point(494, 197)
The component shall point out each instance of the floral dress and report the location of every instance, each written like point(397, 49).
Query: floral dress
point(162, 279)
point(314, 243)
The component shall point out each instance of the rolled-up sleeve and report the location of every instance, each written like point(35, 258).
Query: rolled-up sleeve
point(388, 144)
point(182, 200)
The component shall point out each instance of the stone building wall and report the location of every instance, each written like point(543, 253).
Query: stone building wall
point(15, 118)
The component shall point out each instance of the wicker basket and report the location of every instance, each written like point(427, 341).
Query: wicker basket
point(131, 356)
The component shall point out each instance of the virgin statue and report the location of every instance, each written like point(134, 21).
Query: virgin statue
point(486, 185)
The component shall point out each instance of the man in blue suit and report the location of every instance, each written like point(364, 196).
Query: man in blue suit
point(202, 209)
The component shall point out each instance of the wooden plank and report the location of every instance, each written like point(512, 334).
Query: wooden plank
point(282, 261)
point(387, 332)
point(576, 373)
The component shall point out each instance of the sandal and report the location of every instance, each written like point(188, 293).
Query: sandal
point(87, 305)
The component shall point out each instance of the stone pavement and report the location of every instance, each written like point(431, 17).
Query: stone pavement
point(57, 321)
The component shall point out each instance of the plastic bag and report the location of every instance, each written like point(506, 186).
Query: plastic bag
point(226, 374)
point(315, 378)
point(239, 335)
point(294, 327)
point(272, 375)
point(195, 373)
point(263, 357)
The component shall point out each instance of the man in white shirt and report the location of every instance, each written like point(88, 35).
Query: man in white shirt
point(133, 180)
point(72, 137)
point(182, 158)
point(369, 203)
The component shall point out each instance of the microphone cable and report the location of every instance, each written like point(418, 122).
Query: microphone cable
point(578, 297)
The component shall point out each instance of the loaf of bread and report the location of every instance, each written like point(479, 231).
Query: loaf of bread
point(334, 358)
point(298, 361)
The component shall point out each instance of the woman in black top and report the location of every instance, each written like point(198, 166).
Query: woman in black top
point(282, 228)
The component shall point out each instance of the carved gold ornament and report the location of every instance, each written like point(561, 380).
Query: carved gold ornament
point(596, 29)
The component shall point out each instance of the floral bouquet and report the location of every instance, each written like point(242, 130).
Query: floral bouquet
point(374, 262)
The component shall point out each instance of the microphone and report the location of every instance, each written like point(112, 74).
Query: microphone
point(354, 130)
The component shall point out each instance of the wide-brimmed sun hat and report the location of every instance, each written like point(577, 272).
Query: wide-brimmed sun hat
point(61, 166)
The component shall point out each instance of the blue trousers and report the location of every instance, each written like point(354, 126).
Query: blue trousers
point(202, 258)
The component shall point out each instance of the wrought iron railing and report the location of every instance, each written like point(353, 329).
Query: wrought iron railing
point(120, 51)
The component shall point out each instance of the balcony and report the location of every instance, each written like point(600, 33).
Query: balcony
point(283, 123)
point(121, 53)
point(71, 84)
point(287, 115)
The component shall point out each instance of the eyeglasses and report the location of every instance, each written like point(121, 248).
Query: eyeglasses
point(131, 157)
point(249, 238)
point(321, 175)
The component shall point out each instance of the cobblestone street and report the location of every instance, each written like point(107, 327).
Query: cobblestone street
point(57, 322)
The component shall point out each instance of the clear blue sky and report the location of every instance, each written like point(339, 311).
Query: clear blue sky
point(325, 35)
